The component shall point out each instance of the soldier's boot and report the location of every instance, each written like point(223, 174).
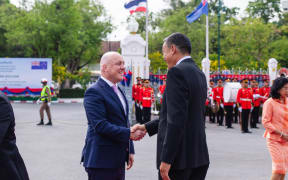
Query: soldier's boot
point(49, 123)
point(40, 123)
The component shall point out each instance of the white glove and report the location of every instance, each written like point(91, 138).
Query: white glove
point(234, 105)
point(256, 96)
point(222, 106)
point(38, 101)
point(141, 107)
point(240, 109)
point(251, 109)
point(49, 104)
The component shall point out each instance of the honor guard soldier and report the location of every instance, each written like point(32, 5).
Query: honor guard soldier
point(162, 89)
point(235, 108)
point(244, 102)
point(228, 106)
point(256, 105)
point(211, 102)
point(46, 101)
point(265, 91)
point(147, 100)
point(218, 97)
point(136, 93)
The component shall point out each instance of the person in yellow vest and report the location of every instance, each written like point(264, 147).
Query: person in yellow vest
point(46, 101)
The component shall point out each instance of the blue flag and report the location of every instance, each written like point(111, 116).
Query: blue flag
point(201, 9)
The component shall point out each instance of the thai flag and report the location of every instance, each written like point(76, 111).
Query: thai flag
point(136, 6)
point(201, 9)
point(39, 65)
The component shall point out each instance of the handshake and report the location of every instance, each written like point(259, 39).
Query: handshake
point(137, 132)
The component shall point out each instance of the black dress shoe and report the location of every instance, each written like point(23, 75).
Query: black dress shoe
point(248, 131)
point(49, 124)
point(40, 123)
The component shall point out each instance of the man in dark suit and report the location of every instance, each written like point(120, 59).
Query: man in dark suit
point(12, 166)
point(182, 152)
point(108, 144)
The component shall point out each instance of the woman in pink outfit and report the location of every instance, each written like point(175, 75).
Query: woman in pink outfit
point(275, 121)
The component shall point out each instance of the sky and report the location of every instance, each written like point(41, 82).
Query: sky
point(115, 9)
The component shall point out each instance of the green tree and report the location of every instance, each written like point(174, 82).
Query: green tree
point(157, 63)
point(8, 13)
point(226, 13)
point(175, 21)
point(279, 51)
point(175, 4)
point(69, 31)
point(247, 43)
point(264, 9)
point(195, 31)
point(83, 77)
point(4, 2)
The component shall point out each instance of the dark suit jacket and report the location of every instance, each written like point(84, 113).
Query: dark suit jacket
point(181, 137)
point(108, 141)
point(12, 166)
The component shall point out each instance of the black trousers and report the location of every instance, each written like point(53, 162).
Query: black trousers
point(229, 116)
point(254, 117)
point(188, 174)
point(220, 116)
point(211, 115)
point(138, 113)
point(245, 119)
point(236, 114)
point(146, 114)
point(106, 173)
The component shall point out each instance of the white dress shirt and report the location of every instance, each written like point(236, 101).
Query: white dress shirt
point(182, 59)
point(119, 94)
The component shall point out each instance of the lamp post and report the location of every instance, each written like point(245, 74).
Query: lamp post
point(219, 30)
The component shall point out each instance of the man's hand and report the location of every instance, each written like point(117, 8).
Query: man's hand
point(137, 132)
point(164, 170)
point(130, 161)
point(222, 105)
point(240, 109)
point(137, 135)
point(138, 127)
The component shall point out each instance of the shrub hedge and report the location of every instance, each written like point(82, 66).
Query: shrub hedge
point(71, 93)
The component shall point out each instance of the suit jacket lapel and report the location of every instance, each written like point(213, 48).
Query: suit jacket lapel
point(113, 94)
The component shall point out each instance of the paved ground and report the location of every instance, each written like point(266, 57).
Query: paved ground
point(53, 153)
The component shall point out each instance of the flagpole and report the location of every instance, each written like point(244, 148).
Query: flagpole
point(207, 48)
point(147, 13)
point(207, 37)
